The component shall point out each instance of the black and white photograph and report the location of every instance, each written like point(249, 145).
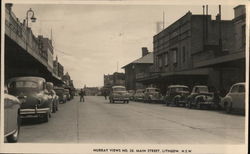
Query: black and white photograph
point(124, 76)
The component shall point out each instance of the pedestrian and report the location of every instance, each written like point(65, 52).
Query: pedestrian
point(105, 94)
point(82, 93)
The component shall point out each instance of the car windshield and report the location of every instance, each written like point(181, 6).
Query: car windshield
point(176, 89)
point(23, 84)
point(119, 89)
point(203, 89)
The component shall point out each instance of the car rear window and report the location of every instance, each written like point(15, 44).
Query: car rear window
point(23, 84)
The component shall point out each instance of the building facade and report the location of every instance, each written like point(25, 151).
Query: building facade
point(137, 68)
point(45, 44)
point(198, 50)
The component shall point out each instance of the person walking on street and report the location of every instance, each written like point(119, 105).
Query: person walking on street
point(82, 93)
point(105, 94)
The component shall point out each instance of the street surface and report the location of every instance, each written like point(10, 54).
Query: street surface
point(98, 121)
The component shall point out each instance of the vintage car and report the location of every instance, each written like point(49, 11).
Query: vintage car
point(66, 92)
point(201, 97)
point(62, 97)
point(235, 99)
point(139, 95)
point(118, 93)
point(176, 95)
point(152, 95)
point(55, 98)
point(12, 120)
point(131, 94)
point(33, 95)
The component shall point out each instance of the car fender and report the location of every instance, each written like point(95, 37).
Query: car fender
point(226, 99)
point(177, 96)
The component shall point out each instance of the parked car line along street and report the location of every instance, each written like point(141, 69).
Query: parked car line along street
point(135, 122)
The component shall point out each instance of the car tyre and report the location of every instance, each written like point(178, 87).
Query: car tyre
point(46, 117)
point(198, 105)
point(176, 102)
point(54, 109)
point(189, 104)
point(13, 138)
point(228, 107)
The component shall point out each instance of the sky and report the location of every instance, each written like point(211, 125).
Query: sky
point(91, 40)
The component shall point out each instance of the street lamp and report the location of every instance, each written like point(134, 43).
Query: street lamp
point(33, 18)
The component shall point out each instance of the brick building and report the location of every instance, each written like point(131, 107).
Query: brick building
point(198, 50)
point(136, 68)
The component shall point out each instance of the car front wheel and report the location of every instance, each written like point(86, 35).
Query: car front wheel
point(228, 107)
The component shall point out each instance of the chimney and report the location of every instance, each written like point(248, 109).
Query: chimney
point(144, 51)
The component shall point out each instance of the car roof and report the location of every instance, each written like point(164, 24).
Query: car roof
point(240, 83)
point(200, 86)
point(175, 86)
point(118, 87)
point(30, 78)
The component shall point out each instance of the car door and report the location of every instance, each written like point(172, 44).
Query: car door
point(241, 97)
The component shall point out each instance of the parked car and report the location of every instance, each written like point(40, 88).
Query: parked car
point(201, 97)
point(176, 95)
point(32, 92)
point(66, 91)
point(118, 93)
point(12, 120)
point(55, 99)
point(235, 98)
point(139, 95)
point(62, 97)
point(152, 95)
point(131, 94)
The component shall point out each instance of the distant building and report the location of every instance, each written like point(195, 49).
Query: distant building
point(91, 91)
point(198, 50)
point(60, 70)
point(136, 69)
point(55, 66)
point(114, 79)
point(45, 44)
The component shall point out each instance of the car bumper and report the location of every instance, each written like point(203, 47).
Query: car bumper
point(120, 99)
point(34, 111)
point(207, 103)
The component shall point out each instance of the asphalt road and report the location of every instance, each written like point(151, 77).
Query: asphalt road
point(97, 121)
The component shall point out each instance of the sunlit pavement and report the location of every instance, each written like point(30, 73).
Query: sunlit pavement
point(98, 121)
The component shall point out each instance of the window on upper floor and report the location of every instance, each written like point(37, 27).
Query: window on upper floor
point(243, 36)
point(166, 59)
point(183, 54)
point(160, 61)
point(175, 54)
